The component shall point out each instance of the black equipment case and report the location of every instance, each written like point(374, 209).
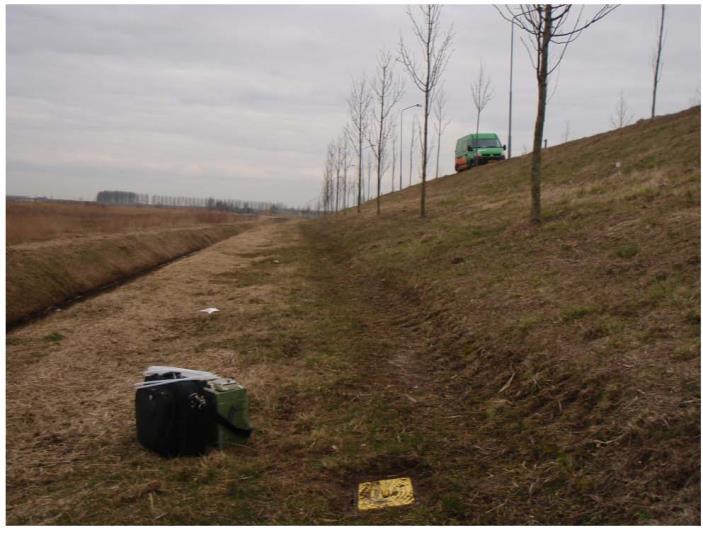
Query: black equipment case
point(178, 416)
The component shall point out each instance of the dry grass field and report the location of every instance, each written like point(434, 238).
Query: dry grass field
point(518, 374)
point(41, 221)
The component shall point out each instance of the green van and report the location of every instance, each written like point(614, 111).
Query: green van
point(477, 149)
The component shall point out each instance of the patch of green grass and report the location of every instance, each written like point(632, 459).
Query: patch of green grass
point(644, 516)
point(628, 250)
point(576, 312)
point(671, 289)
point(524, 325)
point(54, 337)
point(647, 194)
point(452, 504)
point(685, 353)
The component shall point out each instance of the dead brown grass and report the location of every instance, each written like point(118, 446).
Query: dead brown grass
point(87, 468)
point(40, 221)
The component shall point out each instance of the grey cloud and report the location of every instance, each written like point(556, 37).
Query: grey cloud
point(240, 101)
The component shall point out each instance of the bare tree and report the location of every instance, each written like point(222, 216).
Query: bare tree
point(394, 151)
point(481, 93)
point(430, 147)
point(567, 131)
point(346, 165)
point(656, 60)
point(359, 103)
point(440, 121)
point(368, 180)
point(545, 24)
point(435, 49)
point(421, 148)
point(622, 115)
point(386, 94)
point(328, 180)
point(341, 166)
point(337, 148)
point(413, 139)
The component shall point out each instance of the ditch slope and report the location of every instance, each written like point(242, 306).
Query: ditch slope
point(42, 275)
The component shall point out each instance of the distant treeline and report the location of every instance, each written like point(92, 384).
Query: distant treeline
point(209, 203)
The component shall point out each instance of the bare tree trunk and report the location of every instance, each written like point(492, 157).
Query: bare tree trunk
point(423, 194)
point(439, 140)
point(338, 170)
point(368, 180)
point(378, 187)
point(393, 169)
point(412, 152)
point(542, 70)
point(658, 60)
point(358, 200)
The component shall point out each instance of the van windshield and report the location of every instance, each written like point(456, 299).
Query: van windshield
point(487, 143)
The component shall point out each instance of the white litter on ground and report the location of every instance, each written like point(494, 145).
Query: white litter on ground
point(210, 310)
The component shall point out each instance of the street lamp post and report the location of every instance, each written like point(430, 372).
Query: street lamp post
point(401, 142)
point(510, 103)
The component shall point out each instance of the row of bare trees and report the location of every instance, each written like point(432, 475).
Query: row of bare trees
point(549, 28)
point(372, 112)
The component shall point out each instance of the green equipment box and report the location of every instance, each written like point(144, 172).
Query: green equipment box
point(232, 405)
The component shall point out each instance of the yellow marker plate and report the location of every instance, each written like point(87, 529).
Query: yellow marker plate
point(385, 493)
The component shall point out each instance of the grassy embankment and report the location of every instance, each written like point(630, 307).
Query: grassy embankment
point(518, 374)
point(530, 374)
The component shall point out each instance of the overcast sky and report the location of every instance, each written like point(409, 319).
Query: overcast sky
point(240, 101)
